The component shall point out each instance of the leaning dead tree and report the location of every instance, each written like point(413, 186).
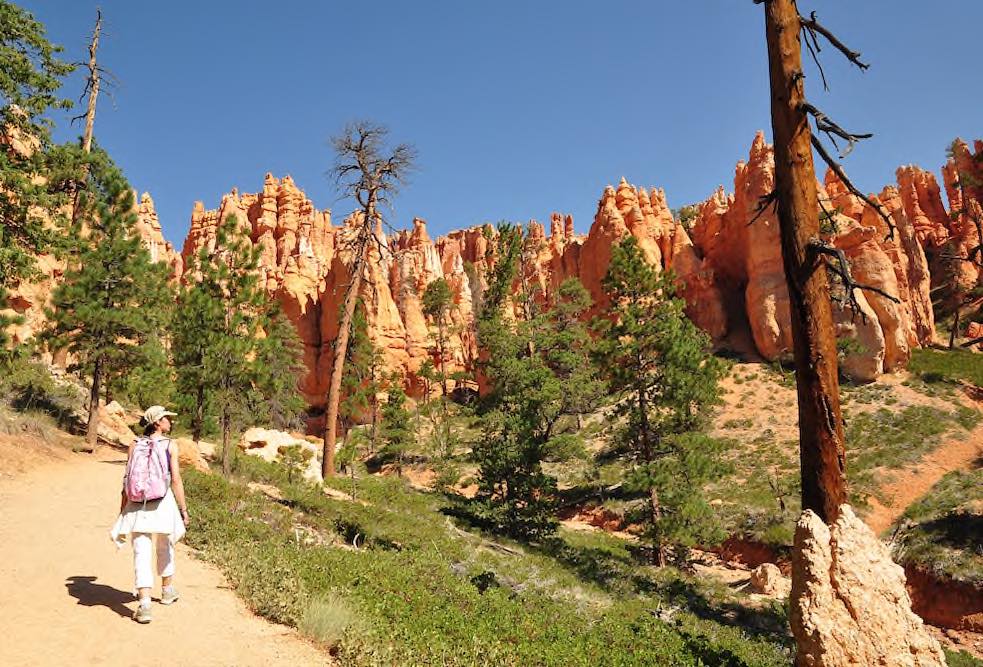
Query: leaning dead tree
point(366, 170)
point(808, 259)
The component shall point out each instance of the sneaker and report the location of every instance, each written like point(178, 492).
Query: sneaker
point(143, 613)
point(169, 595)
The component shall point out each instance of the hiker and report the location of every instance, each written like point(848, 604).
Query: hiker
point(153, 510)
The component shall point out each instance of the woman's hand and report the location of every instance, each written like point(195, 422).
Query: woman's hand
point(185, 517)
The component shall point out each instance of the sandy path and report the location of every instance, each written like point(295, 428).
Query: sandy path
point(65, 591)
point(907, 485)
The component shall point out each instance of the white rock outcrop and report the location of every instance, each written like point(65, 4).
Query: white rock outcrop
point(849, 606)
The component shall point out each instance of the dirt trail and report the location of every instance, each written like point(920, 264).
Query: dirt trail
point(907, 485)
point(65, 591)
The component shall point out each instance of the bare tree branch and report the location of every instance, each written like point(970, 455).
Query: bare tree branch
point(813, 26)
point(838, 170)
point(832, 130)
point(841, 268)
point(764, 202)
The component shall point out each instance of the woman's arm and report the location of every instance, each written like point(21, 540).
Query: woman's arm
point(177, 484)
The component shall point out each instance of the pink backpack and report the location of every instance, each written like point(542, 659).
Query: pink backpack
point(148, 475)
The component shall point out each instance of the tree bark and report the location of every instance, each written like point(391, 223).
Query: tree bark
point(821, 440)
point(338, 367)
point(226, 445)
point(198, 419)
point(92, 426)
point(955, 328)
point(90, 112)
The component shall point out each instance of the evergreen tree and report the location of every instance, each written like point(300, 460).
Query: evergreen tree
point(540, 378)
point(216, 337)
point(279, 368)
point(359, 382)
point(30, 76)
point(396, 430)
point(192, 333)
point(657, 361)
point(104, 310)
point(152, 381)
point(437, 302)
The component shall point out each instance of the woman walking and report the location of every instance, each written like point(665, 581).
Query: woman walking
point(153, 522)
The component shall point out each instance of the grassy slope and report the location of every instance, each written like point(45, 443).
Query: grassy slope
point(421, 590)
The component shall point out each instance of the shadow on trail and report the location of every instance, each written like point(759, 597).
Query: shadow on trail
point(90, 594)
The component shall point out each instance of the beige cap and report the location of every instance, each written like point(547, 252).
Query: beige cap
point(155, 413)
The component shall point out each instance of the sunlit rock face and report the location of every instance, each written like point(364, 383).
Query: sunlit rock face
point(745, 261)
point(728, 268)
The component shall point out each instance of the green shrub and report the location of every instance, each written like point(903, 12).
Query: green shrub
point(426, 601)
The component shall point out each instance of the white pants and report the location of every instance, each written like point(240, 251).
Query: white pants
point(143, 557)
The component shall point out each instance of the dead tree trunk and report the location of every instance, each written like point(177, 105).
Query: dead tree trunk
point(364, 172)
point(821, 441)
point(93, 85)
point(340, 351)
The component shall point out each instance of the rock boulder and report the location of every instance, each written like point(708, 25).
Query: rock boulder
point(849, 606)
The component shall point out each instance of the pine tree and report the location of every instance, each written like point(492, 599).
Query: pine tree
point(216, 337)
point(540, 379)
point(192, 333)
point(30, 76)
point(279, 368)
point(152, 381)
point(370, 174)
point(657, 361)
point(437, 302)
point(396, 430)
point(107, 307)
point(360, 381)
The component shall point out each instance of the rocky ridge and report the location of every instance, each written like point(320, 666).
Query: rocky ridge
point(730, 272)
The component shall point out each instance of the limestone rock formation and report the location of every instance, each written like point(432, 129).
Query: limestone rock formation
point(743, 261)
point(963, 175)
point(730, 272)
point(268, 444)
point(849, 605)
point(767, 579)
point(191, 455)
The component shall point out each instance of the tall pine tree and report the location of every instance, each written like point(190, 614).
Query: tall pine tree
point(540, 379)
point(107, 306)
point(279, 367)
point(30, 76)
point(657, 361)
point(216, 339)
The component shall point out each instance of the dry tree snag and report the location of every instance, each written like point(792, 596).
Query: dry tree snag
point(821, 446)
point(809, 260)
point(92, 89)
point(92, 85)
point(364, 171)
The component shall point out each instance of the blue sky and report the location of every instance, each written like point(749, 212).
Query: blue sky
point(516, 109)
